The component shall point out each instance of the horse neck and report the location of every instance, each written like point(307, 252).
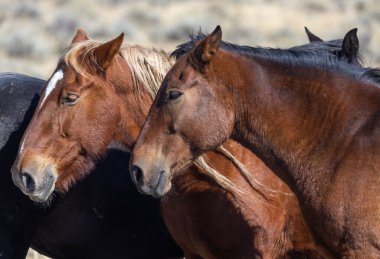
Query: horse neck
point(290, 114)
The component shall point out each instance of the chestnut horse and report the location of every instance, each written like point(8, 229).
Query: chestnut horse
point(97, 98)
point(313, 120)
point(95, 225)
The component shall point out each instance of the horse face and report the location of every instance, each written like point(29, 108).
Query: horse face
point(171, 139)
point(74, 123)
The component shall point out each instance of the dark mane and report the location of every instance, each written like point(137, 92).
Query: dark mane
point(323, 55)
point(331, 47)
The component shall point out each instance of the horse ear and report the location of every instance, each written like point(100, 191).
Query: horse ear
point(350, 45)
point(81, 35)
point(312, 37)
point(206, 49)
point(107, 51)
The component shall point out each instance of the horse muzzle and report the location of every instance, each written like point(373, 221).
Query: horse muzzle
point(155, 183)
point(37, 185)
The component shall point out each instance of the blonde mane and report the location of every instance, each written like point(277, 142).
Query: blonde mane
point(149, 67)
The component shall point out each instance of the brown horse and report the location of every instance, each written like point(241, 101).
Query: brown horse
point(313, 120)
point(95, 225)
point(98, 97)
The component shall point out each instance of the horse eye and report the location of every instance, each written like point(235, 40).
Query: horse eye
point(174, 94)
point(70, 99)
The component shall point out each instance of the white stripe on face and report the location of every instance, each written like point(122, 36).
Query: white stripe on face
point(22, 146)
point(52, 83)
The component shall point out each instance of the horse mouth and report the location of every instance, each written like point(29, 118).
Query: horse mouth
point(163, 185)
point(44, 191)
point(164, 182)
point(157, 184)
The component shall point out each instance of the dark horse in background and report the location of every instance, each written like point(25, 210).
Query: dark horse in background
point(18, 215)
point(101, 217)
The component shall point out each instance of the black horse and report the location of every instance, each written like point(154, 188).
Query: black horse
point(18, 215)
point(101, 217)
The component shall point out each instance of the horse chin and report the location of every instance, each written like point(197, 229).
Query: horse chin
point(42, 198)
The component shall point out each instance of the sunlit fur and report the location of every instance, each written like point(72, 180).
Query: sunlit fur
point(148, 67)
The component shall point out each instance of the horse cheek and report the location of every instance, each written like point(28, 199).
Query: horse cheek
point(223, 120)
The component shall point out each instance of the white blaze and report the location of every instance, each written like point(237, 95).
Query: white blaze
point(52, 83)
point(22, 146)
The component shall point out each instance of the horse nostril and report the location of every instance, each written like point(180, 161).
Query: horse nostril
point(28, 182)
point(138, 175)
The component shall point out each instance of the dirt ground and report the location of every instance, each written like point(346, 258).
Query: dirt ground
point(34, 33)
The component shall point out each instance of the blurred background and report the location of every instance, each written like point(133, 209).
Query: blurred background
point(34, 33)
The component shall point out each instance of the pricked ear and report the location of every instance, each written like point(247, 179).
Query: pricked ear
point(81, 35)
point(206, 49)
point(312, 37)
point(107, 51)
point(350, 45)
